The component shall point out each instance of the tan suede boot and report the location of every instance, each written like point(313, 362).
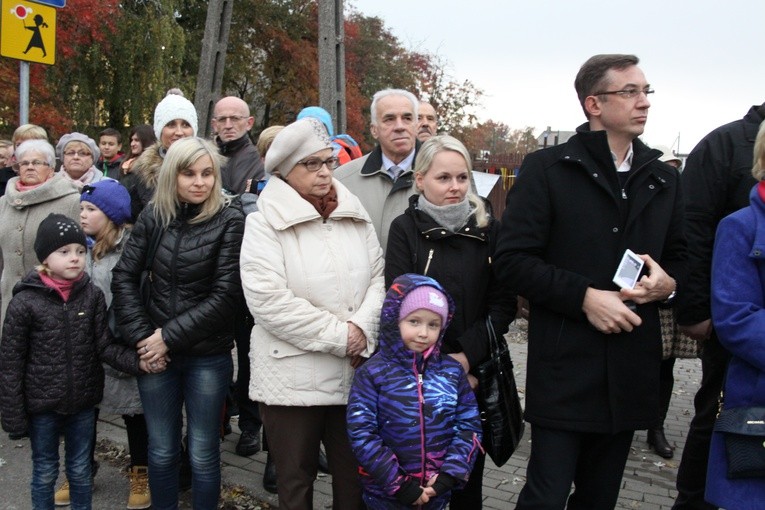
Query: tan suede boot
point(140, 497)
point(61, 498)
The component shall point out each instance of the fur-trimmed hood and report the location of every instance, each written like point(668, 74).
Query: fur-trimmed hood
point(146, 167)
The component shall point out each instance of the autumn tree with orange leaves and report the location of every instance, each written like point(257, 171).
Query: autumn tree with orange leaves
point(115, 61)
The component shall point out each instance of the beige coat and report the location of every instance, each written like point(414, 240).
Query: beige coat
point(304, 278)
point(21, 212)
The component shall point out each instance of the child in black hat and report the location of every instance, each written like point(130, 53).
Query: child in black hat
point(55, 337)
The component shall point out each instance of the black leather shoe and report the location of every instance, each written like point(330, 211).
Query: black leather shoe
point(248, 444)
point(659, 443)
point(269, 476)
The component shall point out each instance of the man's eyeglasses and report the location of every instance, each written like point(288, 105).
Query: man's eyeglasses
point(82, 154)
point(625, 93)
point(232, 118)
point(35, 163)
point(315, 164)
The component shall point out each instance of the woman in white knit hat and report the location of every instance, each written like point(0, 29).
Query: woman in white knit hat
point(174, 118)
point(312, 274)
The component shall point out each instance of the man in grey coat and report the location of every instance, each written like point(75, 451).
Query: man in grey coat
point(383, 178)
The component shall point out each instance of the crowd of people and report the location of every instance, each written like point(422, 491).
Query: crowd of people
point(359, 291)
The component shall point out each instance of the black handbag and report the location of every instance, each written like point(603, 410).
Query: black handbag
point(497, 393)
point(743, 429)
point(144, 284)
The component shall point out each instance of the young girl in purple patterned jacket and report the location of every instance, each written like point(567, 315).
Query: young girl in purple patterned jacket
point(413, 420)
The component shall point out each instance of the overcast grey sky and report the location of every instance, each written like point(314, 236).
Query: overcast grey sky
point(704, 58)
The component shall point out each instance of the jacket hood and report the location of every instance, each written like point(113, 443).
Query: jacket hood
point(147, 165)
point(390, 337)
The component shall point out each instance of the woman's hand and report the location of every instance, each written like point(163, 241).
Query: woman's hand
point(357, 340)
point(154, 367)
point(152, 348)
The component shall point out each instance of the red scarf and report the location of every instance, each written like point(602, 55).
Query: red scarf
point(324, 205)
point(63, 287)
point(761, 190)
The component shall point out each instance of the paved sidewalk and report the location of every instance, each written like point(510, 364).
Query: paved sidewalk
point(648, 484)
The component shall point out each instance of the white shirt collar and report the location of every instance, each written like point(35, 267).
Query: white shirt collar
point(626, 165)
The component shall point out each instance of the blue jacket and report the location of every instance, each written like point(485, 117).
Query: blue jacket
point(403, 432)
point(738, 313)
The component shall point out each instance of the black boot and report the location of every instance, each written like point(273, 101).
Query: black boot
point(248, 444)
point(659, 443)
point(269, 476)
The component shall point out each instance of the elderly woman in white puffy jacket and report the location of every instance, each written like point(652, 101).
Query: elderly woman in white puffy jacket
point(312, 273)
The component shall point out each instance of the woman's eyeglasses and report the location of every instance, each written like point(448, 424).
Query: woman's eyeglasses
point(82, 154)
point(36, 163)
point(315, 164)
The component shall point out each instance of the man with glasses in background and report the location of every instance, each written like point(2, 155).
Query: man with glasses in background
point(594, 350)
point(231, 124)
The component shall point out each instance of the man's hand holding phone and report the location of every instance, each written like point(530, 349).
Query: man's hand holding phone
point(656, 285)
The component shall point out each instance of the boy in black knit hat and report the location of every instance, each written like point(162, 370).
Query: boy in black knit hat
point(55, 337)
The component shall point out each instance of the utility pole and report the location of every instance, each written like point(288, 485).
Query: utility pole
point(332, 61)
point(212, 61)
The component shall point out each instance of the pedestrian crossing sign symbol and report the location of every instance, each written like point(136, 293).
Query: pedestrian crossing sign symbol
point(28, 31)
